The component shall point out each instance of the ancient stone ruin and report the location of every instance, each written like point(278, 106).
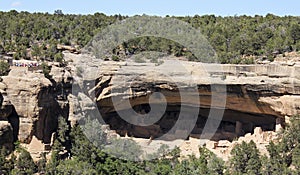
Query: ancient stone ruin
point(252, 100)
point(255, 95)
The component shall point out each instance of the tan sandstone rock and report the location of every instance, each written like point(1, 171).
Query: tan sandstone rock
point(30, 93)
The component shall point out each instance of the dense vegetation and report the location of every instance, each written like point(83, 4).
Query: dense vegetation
point(233, 38)
point(85, 158)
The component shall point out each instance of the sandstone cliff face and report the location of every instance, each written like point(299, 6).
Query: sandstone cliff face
point(251, 96)
point(9, 121)
point(254, 95)
point(258, 98)
point(35, 100)
point(247, 86)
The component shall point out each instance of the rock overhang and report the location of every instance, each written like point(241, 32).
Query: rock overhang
point(245, 89)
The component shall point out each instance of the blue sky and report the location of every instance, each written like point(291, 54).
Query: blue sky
point(158, 7)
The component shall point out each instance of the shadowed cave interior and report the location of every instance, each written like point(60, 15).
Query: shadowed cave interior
point(233, 123)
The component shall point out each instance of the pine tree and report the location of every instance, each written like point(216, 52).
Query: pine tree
point(296, 159)
point(24, 164)
point(245, 159)
point(51, 167)
point(4, 68)
point(295, 32)
point(3, 161)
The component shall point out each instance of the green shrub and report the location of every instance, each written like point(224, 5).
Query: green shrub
point(46, 70)
point(115, 58)
point(59, 57)
point(139, 60)
point(245, 159)
point(24, 164)
point(4, 68)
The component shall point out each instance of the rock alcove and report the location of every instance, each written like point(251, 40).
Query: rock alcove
point(236, 119)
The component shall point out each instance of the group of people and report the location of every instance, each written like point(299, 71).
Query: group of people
point(26, 64)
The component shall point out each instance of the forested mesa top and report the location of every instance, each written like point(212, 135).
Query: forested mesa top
point(236, 39)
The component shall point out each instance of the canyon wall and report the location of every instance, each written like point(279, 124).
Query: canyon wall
point(246, 97)
point(249, 95)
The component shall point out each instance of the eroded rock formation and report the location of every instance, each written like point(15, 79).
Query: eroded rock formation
point(245, 96)
point(258, 99)
point(255, 95)
point(36, 101)
point(9, 122)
